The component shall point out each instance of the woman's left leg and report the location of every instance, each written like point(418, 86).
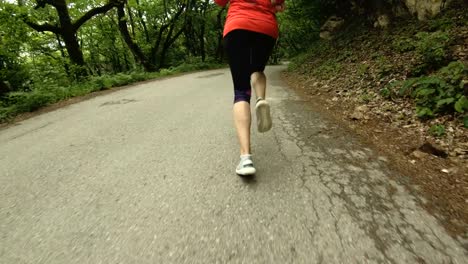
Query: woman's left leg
point(242, 122)
point(239, 55)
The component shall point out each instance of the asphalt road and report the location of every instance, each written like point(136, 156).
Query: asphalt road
point(147, 175)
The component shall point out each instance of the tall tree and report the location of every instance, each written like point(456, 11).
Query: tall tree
point(166, 27)
point(13, 33)
point(66, 28)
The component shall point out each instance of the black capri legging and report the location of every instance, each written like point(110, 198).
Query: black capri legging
point(248, 52)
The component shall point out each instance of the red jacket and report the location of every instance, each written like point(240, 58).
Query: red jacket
point(254, 15)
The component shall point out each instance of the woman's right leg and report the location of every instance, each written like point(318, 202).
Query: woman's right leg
point(259, 84)
point(261, 51)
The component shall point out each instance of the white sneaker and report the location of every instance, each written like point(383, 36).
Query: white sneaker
point(245, 167)
point(262, 109)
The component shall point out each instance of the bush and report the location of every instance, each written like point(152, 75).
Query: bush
point(440, 93)
point(122, 79)
point(298, 61)
point(327, 69)
point(318, 49)
point(437, 130)
point(30, 101)
point(433, 47)
point(403, 44)
point(441, 24)
point(5, 113)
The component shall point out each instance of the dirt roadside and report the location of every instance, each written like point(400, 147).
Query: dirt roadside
point(443, 182)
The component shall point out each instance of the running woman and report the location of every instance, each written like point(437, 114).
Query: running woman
point(250, 33)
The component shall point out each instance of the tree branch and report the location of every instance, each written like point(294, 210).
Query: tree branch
point(43, 3)
point(95, 11)
point(43, 27)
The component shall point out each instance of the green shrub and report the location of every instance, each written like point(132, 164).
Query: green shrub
point(366, 98)
point(30, 101)
point(122, 79)
point(386, 92)
point(363, 69)
point(440, 93)
point(437, 130)
point(165, 72)
point(346, 54)
point(327, 69)
point(454, 72)
point(5, 113)
point(433, 47)
point(138, 76)
point(441, 24)
point(384, 66)
point(317, 49)
point(298, 61)
point(403, 44)
point(461, 105)
point(99, 83)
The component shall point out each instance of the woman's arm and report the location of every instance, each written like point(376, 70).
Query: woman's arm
point(222, 2)
point(279, 5)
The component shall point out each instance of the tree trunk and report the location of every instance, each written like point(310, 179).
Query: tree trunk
point(4, 88)
point(135, 49)
point(219, 50)
point(155, 48)
point(143, 23)
point(68, 34)
point(132, 22)
point(67, 29)
point(64, 56)
point(201, 37)
point(202, 42)
point(169, 41)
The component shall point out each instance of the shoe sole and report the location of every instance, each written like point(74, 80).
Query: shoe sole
point(264, 123)
point(246, 172)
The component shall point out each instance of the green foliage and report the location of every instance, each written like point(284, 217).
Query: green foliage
point(461, 105)
point(384, 66)
point(440, 93)
point(403, 44)
point(298, 61)
point(13, 34)
point(363, 69)
point(186, 67)
point(437, 130)
point(29, 101)
point(432, 95)
point(299, 26)
point(317, 49)
point(386, 93)
point(366, 97)
point(346, 54)
point(454, 73)
point(327, 69)
point(433, 47)
point(465, 121)
point(442, 24)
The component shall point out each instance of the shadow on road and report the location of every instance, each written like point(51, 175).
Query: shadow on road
point(249, 180)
